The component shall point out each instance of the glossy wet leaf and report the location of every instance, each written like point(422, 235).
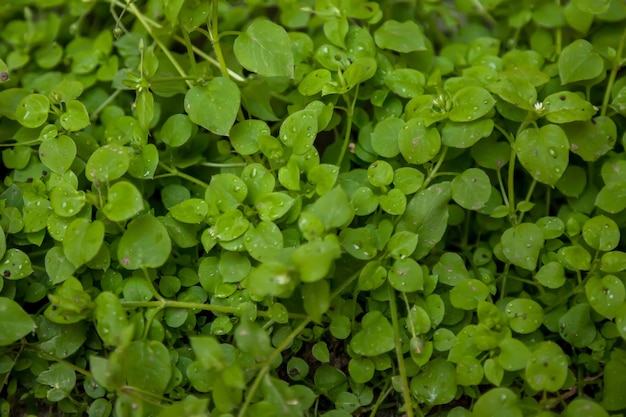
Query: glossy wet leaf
point(82, 240)
point(467, 294)
point(451, 269)
point(400, 36)
point(406, 275)
point(144, 244)
point(471, 103)
point(547, 367)
point(406, 82)
point(565, 107)
point(314, 82)
point(525, 315)
point(226, 191)
point(417, 143)
point(394, 202)
point(193, 210)
point(107, 163)
point(385, 136)
point(471, 189)
point(514, 89)
point(606, 295)
point(33, 110)
point(543, 152)
point(66, 201)
point(111, 320)
point(500, 401)
point(16, 323)
point(177, 130)
point(123, 202)
point(265, 48)
point(579, 62)
point(514, 354)
point(361, 70)
point(551, 275)
point(375, 336)
point(574, 257)
point(313, 260)
point(436, 383)
point(244, 136)
point(214, 106)
point(576, 326)
point(147, 366)
point(58, 153)
point(591, 139)
point(614, 261)
point(75, 117)
point(521, 245)
point(360, 243)
point(601, 233)
point(427, 215)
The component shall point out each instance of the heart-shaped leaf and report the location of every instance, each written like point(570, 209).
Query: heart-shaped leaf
point(215, 105)
point(144, 244)
point(375, 336)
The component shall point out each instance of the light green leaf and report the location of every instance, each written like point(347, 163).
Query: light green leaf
point(144, 244)
point(543, 152)
point(265, 48)
point(15, 323)
point(579, 62)
point(400, 36)
point(82, 240)
point(123, 202)
point(215, 105)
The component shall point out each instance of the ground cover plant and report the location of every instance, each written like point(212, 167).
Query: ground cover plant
point(312, 208)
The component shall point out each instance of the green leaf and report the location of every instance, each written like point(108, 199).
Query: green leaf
point(226, 191)
point(574, 257)
point(144, 244)
point(514, 355)
point(273, 206)
point(385, 136)
point(360, 243)
point(314, 82)
point(551, 275)
point(111, 320)
point(606, 295)
point(123, 202)
point(601, 233)
point(193, 210)
point(333, 208)
point(375, 336)
point(394, 202)
point(525, 315)
point(58, 153)
point(360, 70)
point(521, 245)
point(316, 299)
point(472, 189)
point(467, 294)
point(436, 383)
point(547, 367)
point(15, 323)
point(566, 106)
point(591, 139)
point(406, 82)
point(614, 373)
point(400, 36)
point(107, 163)
point(265, 48)
point(576, 326)
point(61, 378)
point(75, 117)
point(497, 401)
point(406, 275)
point(543, 152)
point(33, 110)
point(465, 134)
point(417, 143)
point(314, 259)
point(614, 261)
point(451, 269)
point(471, 103)
point(427, 215)
point(244, 136)
point(214, 106)
point(515, 89)
point(177, 130)
point(579, 62)
point(147, 366)
point(82, 240)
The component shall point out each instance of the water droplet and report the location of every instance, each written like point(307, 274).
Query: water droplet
point(552, 152)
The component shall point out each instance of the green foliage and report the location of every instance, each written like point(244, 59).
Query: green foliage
point(298, 208)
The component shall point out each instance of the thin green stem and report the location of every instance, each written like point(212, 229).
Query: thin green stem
point(529, 195)
point(109, 100)
point(511, 183)
point(432, 174)
point(190, 54)
point(348, 132)
point(177, 173)
point(384, 393)
point(145, 23)
point(29, 143)
point(268, 362)
point(198, 306)
point(59, 360)
point(614, 70)
point(404, 380)
point(222, 165)
point(215, 39)
point(505, 196)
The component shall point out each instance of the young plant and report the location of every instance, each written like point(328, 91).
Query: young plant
point(307, 208)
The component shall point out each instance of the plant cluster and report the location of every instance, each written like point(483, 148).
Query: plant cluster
point(313, 208)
